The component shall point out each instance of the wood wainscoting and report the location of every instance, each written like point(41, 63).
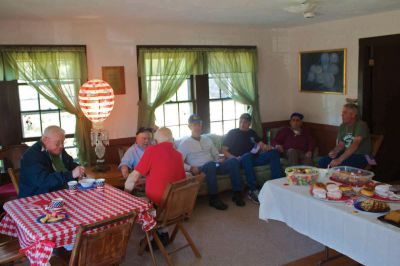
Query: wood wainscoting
point(325, 135)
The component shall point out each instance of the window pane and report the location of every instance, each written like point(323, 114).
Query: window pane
point(185, 110)
point(228, 125)
point(28, 98)
point(30, 143)
point(240, 109)
point(171, 117)
point(73, 152)
point(213, 89)
point(216, 128)
point(31, 125)
point(50, 119)
point(215, 110)
point(175, 132)
point(229, 109)
point(184, 91)
point(224, 95)
point(185, 131)
point(159, 113)
point(68, 122)
point(46, 105)
point(69, 142)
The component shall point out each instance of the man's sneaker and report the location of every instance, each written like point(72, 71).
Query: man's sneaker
point(218, 204)
point(238, 199)
point(253, 196)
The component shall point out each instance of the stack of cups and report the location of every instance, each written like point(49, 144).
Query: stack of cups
point(72, 187)
point(100, 184)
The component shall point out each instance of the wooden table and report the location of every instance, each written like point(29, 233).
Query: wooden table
point(113, 176)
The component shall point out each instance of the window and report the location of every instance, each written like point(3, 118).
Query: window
point(37, 113)
point(175, 113)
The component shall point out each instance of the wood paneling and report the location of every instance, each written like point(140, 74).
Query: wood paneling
point(112, 150)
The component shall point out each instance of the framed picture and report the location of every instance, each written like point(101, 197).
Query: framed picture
point(115, 76)
point(323, 71)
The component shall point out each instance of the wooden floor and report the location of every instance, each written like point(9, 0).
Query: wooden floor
point(315, 258)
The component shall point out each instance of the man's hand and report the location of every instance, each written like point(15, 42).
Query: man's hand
point(78, 172)
point(125, 171)
point(308, 154)
point(194, 170)
point(280, 148)
point(333, 154)
point(335, 162)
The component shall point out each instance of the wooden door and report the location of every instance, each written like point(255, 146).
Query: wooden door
point(379, 90)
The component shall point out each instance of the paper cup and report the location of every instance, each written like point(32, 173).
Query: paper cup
point(56, 205)
point(72, 187)
point(100, 183)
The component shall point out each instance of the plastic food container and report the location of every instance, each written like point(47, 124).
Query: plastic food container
point(350, 175)
point(302, 175)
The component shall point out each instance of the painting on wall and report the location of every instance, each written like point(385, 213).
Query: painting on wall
point(323, 71)
point(115, 76)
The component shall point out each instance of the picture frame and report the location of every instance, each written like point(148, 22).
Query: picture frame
point(323, 71)
point(115, 76)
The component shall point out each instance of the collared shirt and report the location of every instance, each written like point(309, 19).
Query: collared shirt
point(132, 156)
point(161, 164)
point(197, 152)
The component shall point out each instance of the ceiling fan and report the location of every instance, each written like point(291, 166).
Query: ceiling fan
point(307, 7)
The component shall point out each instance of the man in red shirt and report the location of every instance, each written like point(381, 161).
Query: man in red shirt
point(161, 164)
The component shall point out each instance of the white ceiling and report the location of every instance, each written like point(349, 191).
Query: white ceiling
point(266, 13)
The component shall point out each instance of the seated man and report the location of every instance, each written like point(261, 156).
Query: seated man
point(295, 141)
point(353, 141)
point(200, 155)
point(161, 164)
point(132, 156)
point(46, 167)
point(243, 144)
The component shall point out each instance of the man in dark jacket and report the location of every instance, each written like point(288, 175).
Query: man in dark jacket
point(46, 167)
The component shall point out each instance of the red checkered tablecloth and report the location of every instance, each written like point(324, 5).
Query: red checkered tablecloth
point(87, 206)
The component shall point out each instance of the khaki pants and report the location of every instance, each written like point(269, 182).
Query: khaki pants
point(298, 157)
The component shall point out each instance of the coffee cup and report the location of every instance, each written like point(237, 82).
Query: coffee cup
point(72, 187)
point(56, 205)
point(100, 182)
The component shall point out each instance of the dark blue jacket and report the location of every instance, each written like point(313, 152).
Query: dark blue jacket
point(37, 173)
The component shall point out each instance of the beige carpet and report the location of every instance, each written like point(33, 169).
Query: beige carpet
point(232, 237)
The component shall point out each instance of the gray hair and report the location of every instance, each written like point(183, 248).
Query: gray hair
point(163, 134)
point(352, 106)
point(52, 130)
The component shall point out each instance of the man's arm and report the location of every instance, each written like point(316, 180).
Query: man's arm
point(227, 154)
point(131, 180)
point(335, 151)
point(352, 148)
point(127, 162)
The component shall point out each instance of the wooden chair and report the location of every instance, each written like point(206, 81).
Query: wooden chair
point(376, 142)
point(176, 206)
point(102, 248)
point(9, 248)
point(14, 175)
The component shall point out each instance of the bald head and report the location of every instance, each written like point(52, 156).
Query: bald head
point(163, 134)
point(53, 139)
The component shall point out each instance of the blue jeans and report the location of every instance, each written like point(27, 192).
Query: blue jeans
point(355, 160)
point(250, 160)
point(230, 166)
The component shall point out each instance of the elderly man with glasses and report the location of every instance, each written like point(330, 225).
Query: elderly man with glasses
point(46, 166)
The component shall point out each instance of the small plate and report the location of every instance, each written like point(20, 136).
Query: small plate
point(342, 199)
point(66, 217)
point(357, 205)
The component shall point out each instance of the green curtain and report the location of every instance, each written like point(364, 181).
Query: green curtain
point(235, 72)
point(162, 72)
point(47, 69)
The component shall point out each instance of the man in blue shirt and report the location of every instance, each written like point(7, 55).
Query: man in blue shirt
point(132, 156)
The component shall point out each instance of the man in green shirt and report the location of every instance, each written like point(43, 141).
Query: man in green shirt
point(353, 141)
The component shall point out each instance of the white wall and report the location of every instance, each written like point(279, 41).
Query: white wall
point(326, 108)
point(114, 44)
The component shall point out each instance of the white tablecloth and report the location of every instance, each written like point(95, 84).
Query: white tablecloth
point(357, 235)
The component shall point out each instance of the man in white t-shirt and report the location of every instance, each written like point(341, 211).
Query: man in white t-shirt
point(200, 155)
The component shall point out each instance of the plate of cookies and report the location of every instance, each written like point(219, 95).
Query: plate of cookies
point(332, 192)
point(372, 206)
point(382, 192)
point(51, 219)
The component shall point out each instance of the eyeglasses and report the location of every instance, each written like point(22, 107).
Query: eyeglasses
point(144, 129)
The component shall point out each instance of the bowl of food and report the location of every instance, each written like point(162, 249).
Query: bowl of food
point(87, 182)
point(350, 175)
point(302, 175)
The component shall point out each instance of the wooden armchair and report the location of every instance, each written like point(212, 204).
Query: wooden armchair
point(176, 206)
point(14, 175)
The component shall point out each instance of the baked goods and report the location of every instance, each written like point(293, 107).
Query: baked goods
point(351, 175)
point(393, 216)
point(344, 188)
point(368, 191)
point(49, 218)
point(374, 206)
point(302, 175)
point(333, 192)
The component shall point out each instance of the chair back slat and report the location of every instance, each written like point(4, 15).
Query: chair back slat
point(14, 175)
point(103, 246)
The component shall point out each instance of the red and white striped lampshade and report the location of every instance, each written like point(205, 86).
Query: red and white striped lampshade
point(96, 99)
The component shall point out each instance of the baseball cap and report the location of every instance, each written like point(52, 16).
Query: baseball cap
point(246, 116)
point(195, 119)
point(298, 115)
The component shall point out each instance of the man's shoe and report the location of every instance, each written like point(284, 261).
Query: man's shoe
point(164, 237)
point(218, 204)
point(238, 199)
point(253, 196)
